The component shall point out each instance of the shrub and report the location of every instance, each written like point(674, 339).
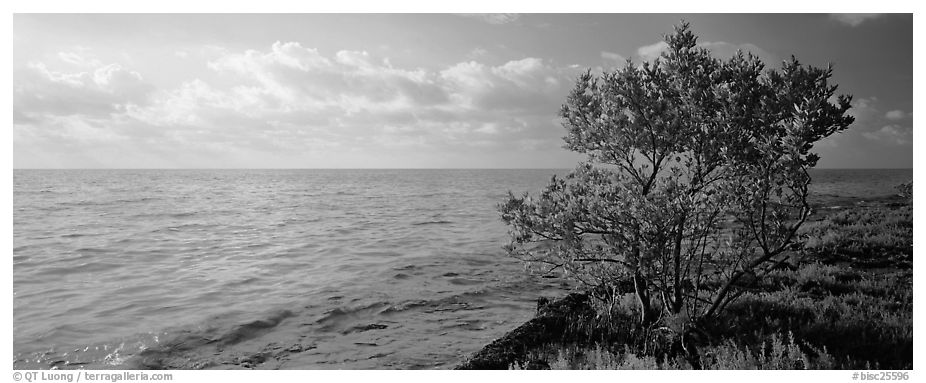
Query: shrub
point(696, 183)
point(905, 190)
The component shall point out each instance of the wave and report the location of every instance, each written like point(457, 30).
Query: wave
point(458, 302)
point(337, 317)
point(87, 267)
point(76, 235)
point(358, 247)
point(276, 336)
point(440, 222)
point(178, 349)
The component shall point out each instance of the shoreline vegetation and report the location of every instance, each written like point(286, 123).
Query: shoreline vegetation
point(846, 304)
point(692, 230)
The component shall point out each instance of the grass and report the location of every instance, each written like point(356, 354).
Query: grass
point(866, 236)
point(862, 318)
point(849, 307)
point(781, 352)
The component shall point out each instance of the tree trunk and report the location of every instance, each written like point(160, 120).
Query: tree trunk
point(677, 287)
point(639, 285)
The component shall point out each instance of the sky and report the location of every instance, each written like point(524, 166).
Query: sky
point(396, 90)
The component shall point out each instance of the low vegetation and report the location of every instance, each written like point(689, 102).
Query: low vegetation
point(776, 353)
point(866, 236)
point(848, 305)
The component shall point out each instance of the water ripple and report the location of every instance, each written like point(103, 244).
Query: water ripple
point(350, 269)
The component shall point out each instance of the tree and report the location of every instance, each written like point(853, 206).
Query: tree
point(696, 181)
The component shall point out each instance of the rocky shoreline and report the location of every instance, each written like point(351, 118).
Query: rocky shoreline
point(552, 323)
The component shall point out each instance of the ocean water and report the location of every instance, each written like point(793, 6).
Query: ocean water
point(323, 268)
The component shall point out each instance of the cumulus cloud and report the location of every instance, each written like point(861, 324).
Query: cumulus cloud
point(191, 104)
point(613, 58)
point(287, 98)
point(39, 90)
point(293, 77)
point(864, 110)
point(78, 59)
point(894, 134)
point(525, 73)
point(895, 115)
point(477, 53)
point(288, 101)
point(356, 99)
point(493, 18)
point(530, 85)
point(854, 19)
point(652, 51)
point(874, 124)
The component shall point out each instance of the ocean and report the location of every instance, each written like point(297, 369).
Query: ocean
point(346, 269)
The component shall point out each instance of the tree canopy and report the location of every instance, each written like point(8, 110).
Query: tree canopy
point(696, 181)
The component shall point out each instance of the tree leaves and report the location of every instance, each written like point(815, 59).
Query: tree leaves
point(697, 173)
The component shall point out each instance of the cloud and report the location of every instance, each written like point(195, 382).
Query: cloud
point(39, 90)
point(192, 104)
point(290, 98)
point(894, 134)
point(864, 110)
point(613, 57)
point(526, 73)
point(285, 104)
point(529, 85)
point(78, 59)
point(895, 115)
point(652, 51)
point(493, 18)
point(854, 19)
point(290, 77)
point(287, 101)
point(873, 124)
point(477, 53)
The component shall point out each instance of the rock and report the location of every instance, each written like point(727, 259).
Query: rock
point(551, 323)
